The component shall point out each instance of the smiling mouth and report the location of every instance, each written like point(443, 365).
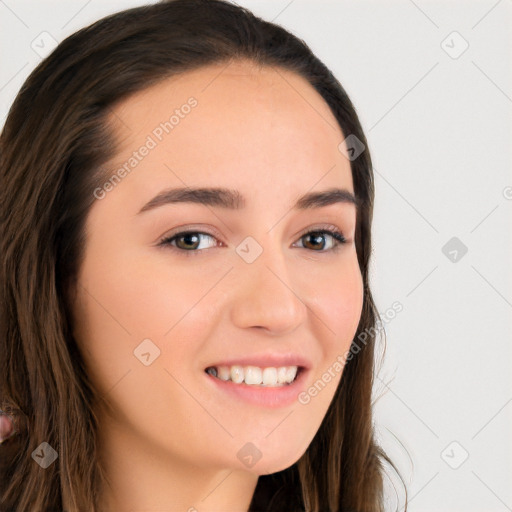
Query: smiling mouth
point(256, 376)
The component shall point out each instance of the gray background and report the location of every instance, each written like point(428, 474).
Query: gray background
point(439, 124)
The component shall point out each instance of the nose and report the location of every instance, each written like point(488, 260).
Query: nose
point(265, 297)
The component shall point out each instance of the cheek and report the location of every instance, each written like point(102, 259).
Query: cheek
point(142, 300)
point(338, 302)
point(124, 301)
point(119, 306)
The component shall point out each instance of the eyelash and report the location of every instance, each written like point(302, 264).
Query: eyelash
point(335, 233)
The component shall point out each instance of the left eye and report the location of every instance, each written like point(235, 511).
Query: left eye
point(191, 239)
point(336, 236)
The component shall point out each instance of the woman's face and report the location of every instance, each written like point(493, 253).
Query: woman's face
point(247, 286)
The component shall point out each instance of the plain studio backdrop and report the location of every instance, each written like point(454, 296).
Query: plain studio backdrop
point(432, 84)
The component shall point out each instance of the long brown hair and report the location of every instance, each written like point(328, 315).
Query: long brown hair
point(54, 142)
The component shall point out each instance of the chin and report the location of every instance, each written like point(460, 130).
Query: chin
point(269, 465)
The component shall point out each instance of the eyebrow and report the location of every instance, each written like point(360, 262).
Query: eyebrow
point(232, 199)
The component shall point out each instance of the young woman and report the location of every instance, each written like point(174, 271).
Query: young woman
point(187, 323)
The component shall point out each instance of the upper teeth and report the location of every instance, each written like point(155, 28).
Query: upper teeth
point(255, 375)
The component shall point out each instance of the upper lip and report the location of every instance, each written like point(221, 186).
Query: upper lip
point(265, 361)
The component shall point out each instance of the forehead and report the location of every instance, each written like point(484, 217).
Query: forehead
point(249, 125)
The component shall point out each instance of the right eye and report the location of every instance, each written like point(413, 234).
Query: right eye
point(190, 239)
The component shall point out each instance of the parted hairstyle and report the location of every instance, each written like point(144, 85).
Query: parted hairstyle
point(52, 147)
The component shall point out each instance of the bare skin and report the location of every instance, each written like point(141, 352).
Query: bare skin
point(172, 440)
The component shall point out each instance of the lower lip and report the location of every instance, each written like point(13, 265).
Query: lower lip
point(269, 397)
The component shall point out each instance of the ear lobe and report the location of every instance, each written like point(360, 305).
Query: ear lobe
point(6, 427)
